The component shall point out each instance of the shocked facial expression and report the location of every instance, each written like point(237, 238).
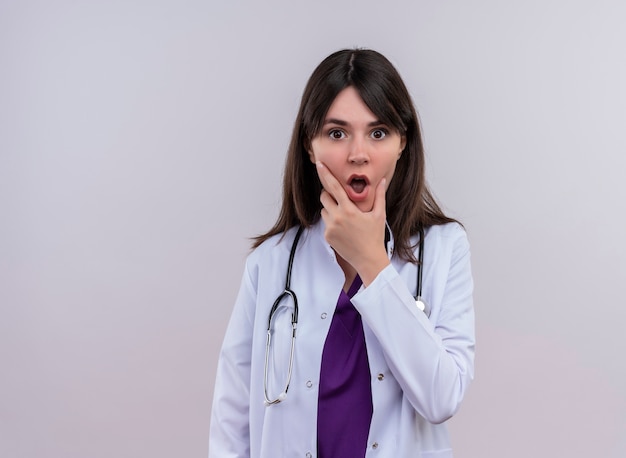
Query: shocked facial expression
point(357, 148)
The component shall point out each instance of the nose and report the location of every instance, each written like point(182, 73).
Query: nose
point(358, 154)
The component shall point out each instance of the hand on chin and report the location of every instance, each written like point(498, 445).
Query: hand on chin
point(355, 223)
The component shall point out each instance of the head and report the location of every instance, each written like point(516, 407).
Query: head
point(382, 90)
point(409, 204)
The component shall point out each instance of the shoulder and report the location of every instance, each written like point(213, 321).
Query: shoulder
point(449, 232)
point(447, 243)
point(274, 247)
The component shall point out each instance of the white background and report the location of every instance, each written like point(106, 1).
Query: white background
point(142, 143)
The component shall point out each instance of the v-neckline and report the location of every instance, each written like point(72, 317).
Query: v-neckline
point(354, 287)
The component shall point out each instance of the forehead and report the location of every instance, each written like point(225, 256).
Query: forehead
point(348, 105)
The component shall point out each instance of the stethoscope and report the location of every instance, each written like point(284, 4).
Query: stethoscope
point(288, 293)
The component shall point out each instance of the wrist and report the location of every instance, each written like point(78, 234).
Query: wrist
point(371, 270)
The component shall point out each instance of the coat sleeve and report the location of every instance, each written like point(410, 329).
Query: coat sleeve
point(229, 435)
point(432, 362)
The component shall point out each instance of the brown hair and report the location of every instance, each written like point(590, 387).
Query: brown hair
point(410, 205)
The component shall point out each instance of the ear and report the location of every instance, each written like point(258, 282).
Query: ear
point(309, 149)
point(306, 145)
point(402, 145)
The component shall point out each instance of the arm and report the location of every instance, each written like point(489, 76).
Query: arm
point(432, 362)
point(229, 431)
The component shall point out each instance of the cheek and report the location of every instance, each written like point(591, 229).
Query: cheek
point(316, 151)
point(391, 169)
point(324, 153)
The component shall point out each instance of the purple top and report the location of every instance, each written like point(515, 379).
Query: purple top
point(345, 394)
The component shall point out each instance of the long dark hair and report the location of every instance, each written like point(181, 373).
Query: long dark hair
point(410, 205)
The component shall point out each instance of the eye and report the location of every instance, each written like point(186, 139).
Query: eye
point(379, 134)
point(336, 134)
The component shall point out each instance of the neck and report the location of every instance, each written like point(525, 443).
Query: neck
point(348, 271)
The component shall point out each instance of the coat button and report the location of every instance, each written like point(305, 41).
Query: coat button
point(375, 445)
point(323, 316)
point(381, 377)
point(309, 455)
point(309, 384)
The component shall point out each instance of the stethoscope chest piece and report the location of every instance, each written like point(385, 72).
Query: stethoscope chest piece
point(419, 302)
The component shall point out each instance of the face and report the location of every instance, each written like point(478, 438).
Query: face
point(357, 148)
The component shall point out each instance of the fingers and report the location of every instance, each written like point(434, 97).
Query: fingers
point(327, 199)
point(331, 185)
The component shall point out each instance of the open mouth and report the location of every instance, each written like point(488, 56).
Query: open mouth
point(358, 184)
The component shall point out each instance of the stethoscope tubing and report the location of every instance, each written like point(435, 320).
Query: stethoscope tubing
point(294, 325)
point(288, 292)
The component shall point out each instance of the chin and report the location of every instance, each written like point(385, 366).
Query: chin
point(365, 207)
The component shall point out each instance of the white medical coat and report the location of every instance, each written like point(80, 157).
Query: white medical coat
point(420, 367)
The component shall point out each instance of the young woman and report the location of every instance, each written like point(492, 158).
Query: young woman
point(356, 363)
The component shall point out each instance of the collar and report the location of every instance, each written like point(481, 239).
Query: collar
point(389, 241)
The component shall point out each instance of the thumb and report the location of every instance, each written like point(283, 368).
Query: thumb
point(379, 198)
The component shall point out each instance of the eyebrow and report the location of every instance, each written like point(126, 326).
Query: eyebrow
point(341, 122)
